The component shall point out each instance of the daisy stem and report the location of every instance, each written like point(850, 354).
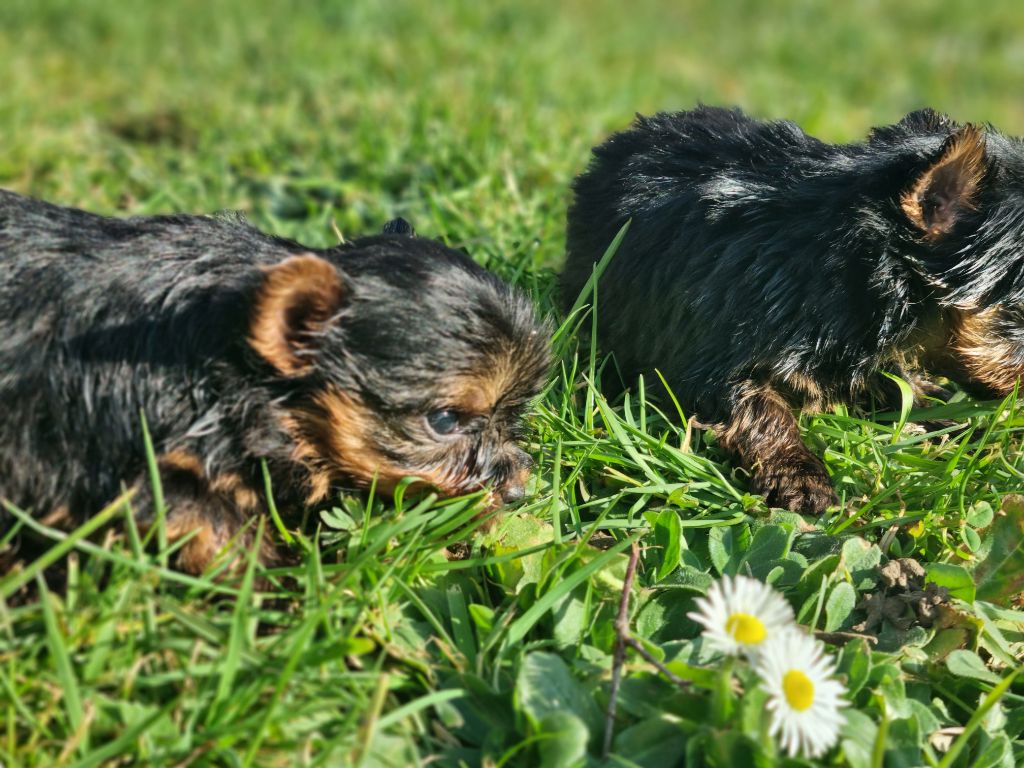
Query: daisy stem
point(622, 635)
point(882, 737)
point(767, 742)
point(722, 703)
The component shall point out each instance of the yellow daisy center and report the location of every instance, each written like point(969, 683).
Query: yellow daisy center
point(745, 628)
point(799, 690)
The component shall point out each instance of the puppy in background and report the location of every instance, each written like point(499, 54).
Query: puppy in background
point(385, 357)
point(765, 270)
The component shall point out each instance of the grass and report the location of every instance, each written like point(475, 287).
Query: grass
point(470, 120)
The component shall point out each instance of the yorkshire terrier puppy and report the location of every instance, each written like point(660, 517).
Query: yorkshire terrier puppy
point(386, 357)
point(766, 270)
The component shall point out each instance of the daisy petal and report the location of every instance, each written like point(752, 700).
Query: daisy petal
point(739, 614)
point(804, 696)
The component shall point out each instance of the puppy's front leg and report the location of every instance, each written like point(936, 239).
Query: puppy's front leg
point(216, 512)
point(763, 433)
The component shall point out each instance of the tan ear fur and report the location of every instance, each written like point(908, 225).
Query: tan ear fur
point(297, 298)
point(949, 187)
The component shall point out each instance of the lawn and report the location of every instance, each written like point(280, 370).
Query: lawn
point(470, 120)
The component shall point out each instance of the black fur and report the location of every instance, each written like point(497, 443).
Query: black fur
point(102, 318)
point(399, 226)
point(759, 256)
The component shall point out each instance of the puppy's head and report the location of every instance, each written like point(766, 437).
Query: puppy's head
point(396, 356)
point(963, 202)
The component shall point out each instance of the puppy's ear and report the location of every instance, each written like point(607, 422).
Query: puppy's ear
point(398, 226)
point(948, 187)
point(295, 301)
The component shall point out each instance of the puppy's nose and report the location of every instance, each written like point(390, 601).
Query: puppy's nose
point(514, 486)
point(512, 492)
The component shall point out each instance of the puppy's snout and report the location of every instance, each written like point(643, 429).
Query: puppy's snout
point(510, 493)
point(513, 487)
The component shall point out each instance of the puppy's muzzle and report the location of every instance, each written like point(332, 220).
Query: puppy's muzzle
point(512, 486)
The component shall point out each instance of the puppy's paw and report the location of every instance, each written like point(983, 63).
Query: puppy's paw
point(924, 387)
point(797, 482)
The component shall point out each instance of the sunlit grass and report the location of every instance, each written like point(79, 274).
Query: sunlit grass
point(470, 120)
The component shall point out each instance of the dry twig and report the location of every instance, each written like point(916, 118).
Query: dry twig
point(623, 640)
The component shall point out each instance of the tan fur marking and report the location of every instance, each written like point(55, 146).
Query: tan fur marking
point(186, 516)
point(985, 357)
point(297, 297)
point(196, 555)
point(58, 517)
point(807, 388)
point(212, 529)
point(211, 512)
point(182, 461)
point(761, 423)
point(232, 486)
point(964, 160)
point(334, 442)
point(478, 392)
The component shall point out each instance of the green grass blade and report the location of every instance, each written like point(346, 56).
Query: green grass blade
point(67, 542)
point(518, 629)
point(70, 692)
point(979, 714)
point(157, 487)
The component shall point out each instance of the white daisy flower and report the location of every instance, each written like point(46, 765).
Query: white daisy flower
point(739, 613)
point(804, 696)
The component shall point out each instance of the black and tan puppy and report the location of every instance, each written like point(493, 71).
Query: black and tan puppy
point(766, 270)
point(385, 357)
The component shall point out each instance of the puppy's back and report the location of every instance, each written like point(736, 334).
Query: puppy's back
point(671, 166)
point(101, 316)
point(745, 236)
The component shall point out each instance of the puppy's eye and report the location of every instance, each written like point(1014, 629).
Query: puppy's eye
point(444, 422)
